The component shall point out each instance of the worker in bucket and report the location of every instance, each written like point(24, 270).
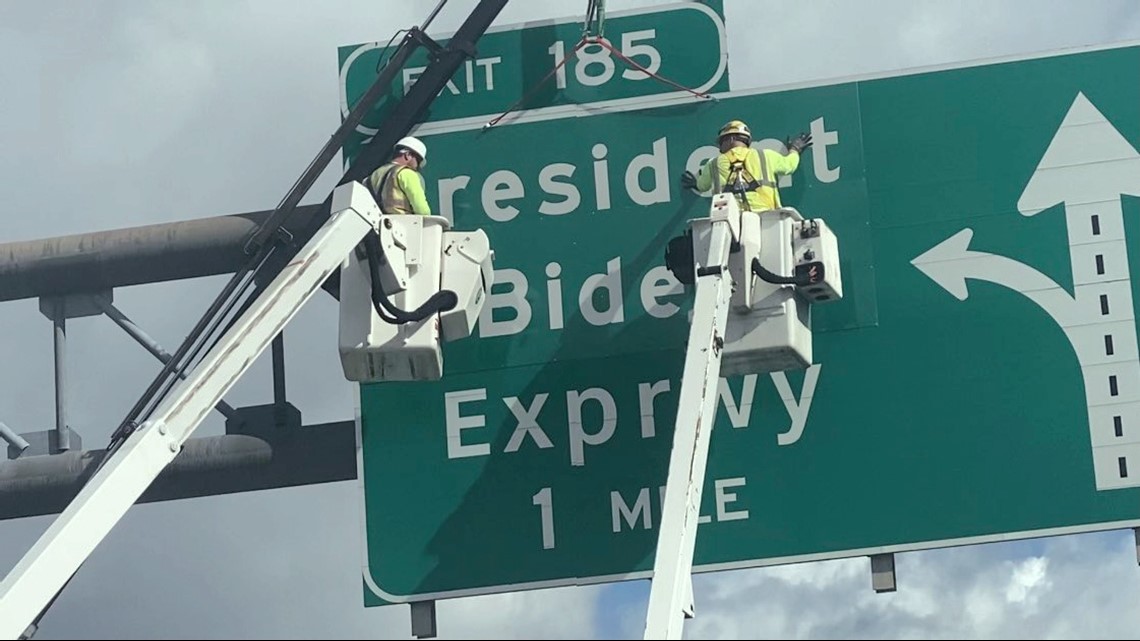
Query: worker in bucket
point(397, 185)
point(749, 173)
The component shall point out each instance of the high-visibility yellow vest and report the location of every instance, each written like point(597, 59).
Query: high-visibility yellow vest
point(388, 194)
point(757, 171)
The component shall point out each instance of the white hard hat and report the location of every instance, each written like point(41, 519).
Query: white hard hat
point(415, 145)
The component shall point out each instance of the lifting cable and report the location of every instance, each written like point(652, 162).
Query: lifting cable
point(595, 22)
point(593, 34)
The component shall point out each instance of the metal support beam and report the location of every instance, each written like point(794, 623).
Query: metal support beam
point(423, 619)
point(278, 347)
point(104, 260)
point(1136, 537)
point(150, 344)
point(883, 573)
point(59, 323)
point(16, 443)
point(58, 309)
point(257, 454)
point(42, 443)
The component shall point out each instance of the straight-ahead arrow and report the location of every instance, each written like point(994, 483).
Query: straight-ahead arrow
point(1088, 161)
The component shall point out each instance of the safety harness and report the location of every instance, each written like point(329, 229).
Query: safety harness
point(385, 193)
point(740, 181)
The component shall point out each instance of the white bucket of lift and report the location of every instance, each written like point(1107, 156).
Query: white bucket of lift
point(372, 349)
point(774, 333)
point(468, 271)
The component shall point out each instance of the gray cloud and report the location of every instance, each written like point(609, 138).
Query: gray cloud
point(119, 113)
point(831, 38)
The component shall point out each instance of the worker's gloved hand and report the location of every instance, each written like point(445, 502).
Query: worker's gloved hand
point(799, 143)
point(688, 180)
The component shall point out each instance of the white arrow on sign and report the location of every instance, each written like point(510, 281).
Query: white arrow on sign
point(951, 262)
point(1088, 161)
point(1087, 166)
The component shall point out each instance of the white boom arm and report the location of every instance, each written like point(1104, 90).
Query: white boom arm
point(755, 277)
point(670, 595)
point(99, 505)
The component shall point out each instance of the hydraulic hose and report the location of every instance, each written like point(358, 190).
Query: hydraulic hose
point(801, 281)
point(440, 301)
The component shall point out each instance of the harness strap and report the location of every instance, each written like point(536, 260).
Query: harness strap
point(380, 200)
point(751, 184)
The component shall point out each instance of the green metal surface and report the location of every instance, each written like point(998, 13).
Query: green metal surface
point(927, 420)
point(683, 43)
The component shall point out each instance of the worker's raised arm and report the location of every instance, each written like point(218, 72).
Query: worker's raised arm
point(781, 164)
point(788, 163)
point(412, 184)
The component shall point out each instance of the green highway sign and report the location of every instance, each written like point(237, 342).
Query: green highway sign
point(680, 44)
point(980, 380)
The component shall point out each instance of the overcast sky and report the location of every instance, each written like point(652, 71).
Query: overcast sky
point(115, 114)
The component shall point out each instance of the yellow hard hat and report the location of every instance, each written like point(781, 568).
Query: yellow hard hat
point(737, 127)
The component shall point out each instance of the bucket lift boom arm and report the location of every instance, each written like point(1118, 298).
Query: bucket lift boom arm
point(755, 274)
point(671, 592)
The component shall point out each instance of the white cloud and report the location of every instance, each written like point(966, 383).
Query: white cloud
point(1066, 587)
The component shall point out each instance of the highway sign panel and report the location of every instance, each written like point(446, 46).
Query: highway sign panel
point(682, 45)
point(979, 382)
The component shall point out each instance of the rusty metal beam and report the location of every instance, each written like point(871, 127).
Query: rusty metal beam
point(103, 260)
point(264, 448)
